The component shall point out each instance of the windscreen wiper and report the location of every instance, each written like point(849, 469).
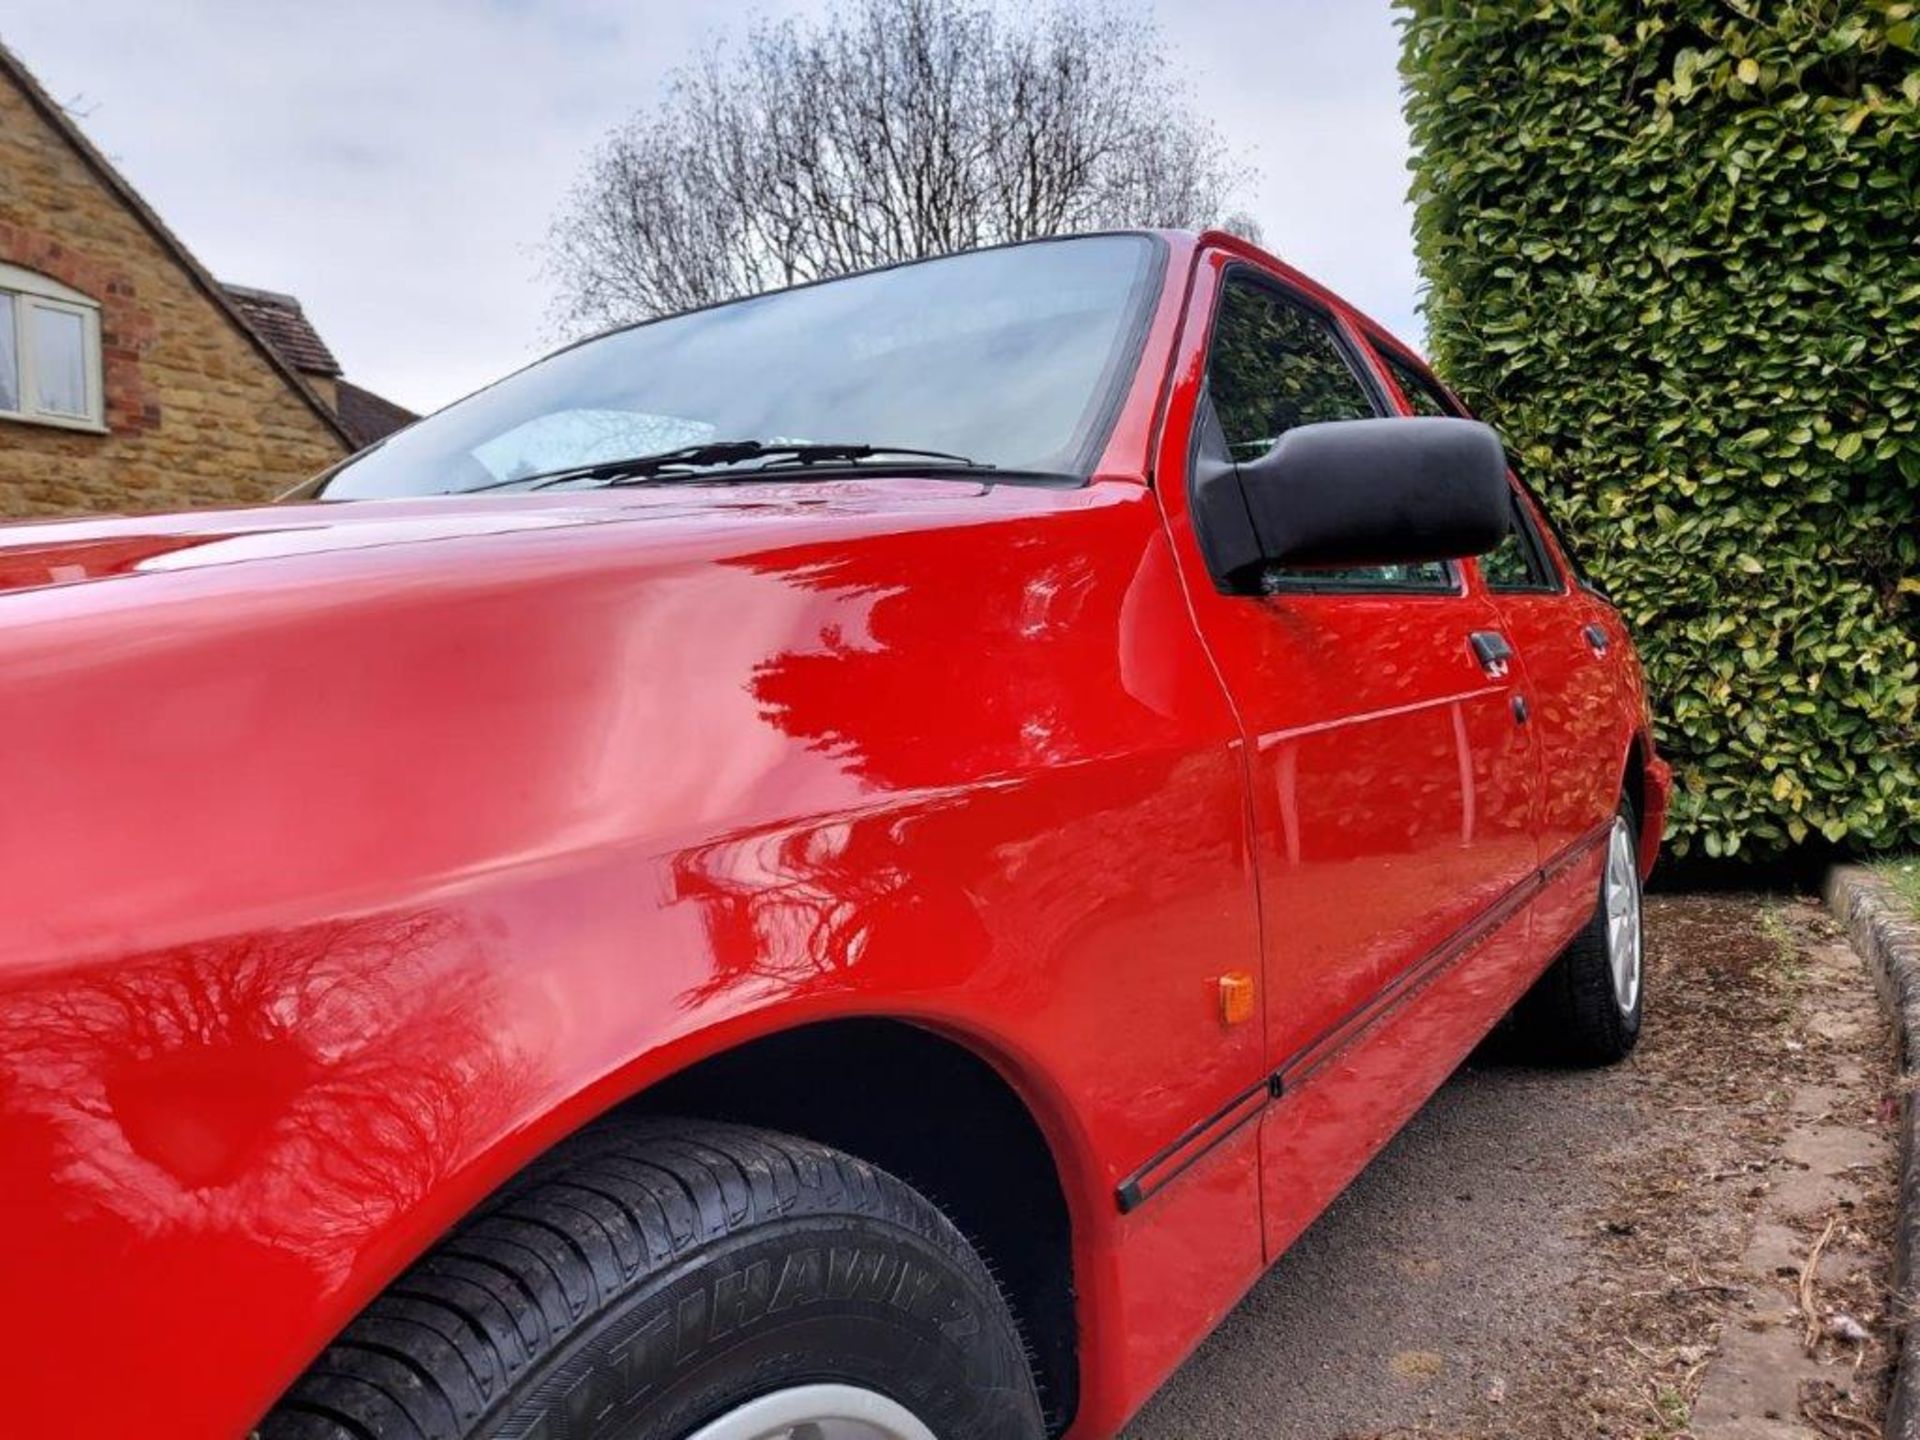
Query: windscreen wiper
point(708, 461)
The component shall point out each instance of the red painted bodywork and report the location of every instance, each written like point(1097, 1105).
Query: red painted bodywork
point(355, 854)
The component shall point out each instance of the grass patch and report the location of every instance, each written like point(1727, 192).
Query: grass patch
point(1789, 966)
point(1903, 878)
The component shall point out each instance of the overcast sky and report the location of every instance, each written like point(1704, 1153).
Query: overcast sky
point(395, 163)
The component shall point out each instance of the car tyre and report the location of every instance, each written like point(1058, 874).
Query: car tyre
point(678, 1280)
point(1586, 1010)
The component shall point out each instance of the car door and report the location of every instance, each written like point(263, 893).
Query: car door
point(1389, 770)
point(1567, 643)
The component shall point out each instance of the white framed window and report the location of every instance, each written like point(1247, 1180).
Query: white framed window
point(49, 353)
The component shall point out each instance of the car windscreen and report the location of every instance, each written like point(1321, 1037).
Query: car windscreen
point(1012, 357)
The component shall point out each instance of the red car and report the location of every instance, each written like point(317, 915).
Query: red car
point(849, 865)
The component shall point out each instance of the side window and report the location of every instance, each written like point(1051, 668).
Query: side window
point(1538, 517)
point(1423, 396)
point(1276, 364)
point(1520, 561)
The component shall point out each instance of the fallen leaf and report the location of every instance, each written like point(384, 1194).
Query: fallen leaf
point(1844, 1327)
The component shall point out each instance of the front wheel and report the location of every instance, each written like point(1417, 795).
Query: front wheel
point(829, 1412)
point(677, 1280)
point(1587, 1008)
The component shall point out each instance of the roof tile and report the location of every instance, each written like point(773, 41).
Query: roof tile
point(368, 417)
point(285, 326)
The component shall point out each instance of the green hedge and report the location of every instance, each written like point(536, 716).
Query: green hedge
point(1673, 249)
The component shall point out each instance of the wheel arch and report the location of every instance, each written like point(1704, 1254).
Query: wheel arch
point(931, 1108)
point(935, 1105)
point(1633, 781)
point(1646, 790)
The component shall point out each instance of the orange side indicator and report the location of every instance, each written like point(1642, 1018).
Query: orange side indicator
point(1236, 997)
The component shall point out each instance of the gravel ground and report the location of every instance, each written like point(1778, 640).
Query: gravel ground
point(1561, 1255)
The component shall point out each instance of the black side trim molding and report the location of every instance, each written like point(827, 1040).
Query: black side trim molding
point(1575, 852)
point(1186, 1150)
point(1316, 1052)
point(1169, 1163)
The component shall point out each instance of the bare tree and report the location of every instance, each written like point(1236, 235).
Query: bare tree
point(892, 130)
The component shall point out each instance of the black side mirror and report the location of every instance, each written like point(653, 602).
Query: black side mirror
point(1356, 492)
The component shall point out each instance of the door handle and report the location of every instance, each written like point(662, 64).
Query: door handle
point(1493, 652)
point(1596, 637)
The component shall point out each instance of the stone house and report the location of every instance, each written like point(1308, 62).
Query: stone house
point(130, 379)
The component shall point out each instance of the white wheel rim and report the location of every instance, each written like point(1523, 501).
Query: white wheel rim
point(1620, 893)
point(818, 1412)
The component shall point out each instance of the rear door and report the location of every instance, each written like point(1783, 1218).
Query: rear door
point(1390, 777)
